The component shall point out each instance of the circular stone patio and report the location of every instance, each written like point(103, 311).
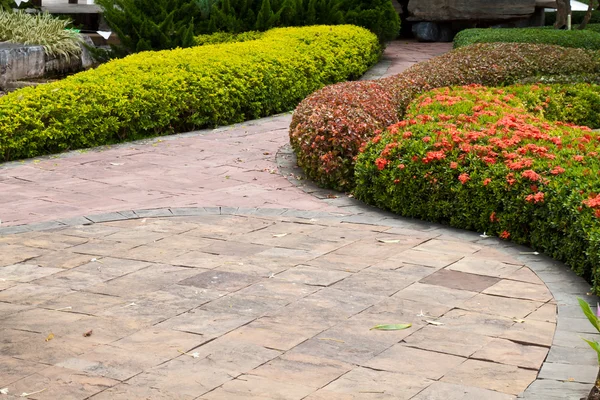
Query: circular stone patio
point(214, 303)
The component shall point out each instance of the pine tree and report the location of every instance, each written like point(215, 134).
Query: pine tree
point(266, 18)
point(151, 24)
point(379, 16)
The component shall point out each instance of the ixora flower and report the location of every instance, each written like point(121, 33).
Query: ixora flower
point(505, 235)
point(464, 178)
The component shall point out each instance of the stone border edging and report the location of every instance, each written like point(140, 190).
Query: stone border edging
point(569, 355)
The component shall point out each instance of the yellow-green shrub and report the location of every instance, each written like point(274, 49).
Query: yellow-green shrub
point(157, 93)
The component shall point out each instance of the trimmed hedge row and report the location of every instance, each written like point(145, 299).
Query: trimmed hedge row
point(585, 39)
point(326, 142)
point(474, 158)
point(158, 93)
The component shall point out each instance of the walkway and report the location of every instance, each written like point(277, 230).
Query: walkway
point(254, 299)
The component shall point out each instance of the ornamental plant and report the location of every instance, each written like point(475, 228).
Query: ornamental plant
point(326, 146)
point(158, 93)
point(474, 158)
point(595, 321)
point(40, 29)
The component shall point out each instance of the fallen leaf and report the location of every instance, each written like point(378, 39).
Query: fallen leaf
point(518, 320)
point(4, 391)
point(388, 240)
point(391, 327)
point(278, 235)
point(50, 337)
point(88, 333)
point(484, 235)
point(32, 393)
point(64, 308)
point(116, 164)
point(434, 322)
point(534, 253)
point(571, 379)
point(332, 196)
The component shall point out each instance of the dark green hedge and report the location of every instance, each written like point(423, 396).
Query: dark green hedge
point(585, 39)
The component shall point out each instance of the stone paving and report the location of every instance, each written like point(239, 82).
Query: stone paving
point(264, 301)
point(252, 306)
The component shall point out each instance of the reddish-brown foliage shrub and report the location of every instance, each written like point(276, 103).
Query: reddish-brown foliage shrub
point(330, 126)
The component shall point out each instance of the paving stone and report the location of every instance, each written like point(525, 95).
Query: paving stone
point(154, 277)
point(31, 294)
point(163, 343)
point(267, 332)
point(450, 391)
point(341, 262)
point(525, 275)
point(405, 309)
point(575, 325)
point(13, 369)
point(25, 272)
point(573, 340)
point(312, 276)
point(352, 341)
point(108, 361)
point(247, 305)
point(442, 340)
point(220, 280)
point(362, 383)
point(460, 280)
point(7, 309)
point(62, 259)
point(433, 294)
point(491, 376)
point(569, 372)
point(482, 266)
point(258, 387)
point(126, 391)
point(183, 377)
point(314, 372)
point(235, 356)
point(503, 306)
point(110, 268)
point(426, 364)
point(482, 324)
point(72, 279)
point(567, 355)
point(13, 254)
point(520, 290)
point(381, 283)
point(547, 389)
point(448, 247)
point(511, 353)
point(374, 249)
point(238, 249)
point(61, 383)
point(546, 313)
point(531, 332)
point(206, 323)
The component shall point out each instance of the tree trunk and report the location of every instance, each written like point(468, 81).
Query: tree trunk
point(563, 8)
point(595, 392)
point(588, 15)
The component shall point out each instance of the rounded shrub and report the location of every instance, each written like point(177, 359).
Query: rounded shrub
point(330, 160)
point(585, 39)
point(475, 158)
point(158, 93)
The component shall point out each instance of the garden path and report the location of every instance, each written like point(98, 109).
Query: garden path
point(255, 285)
point(228, 166)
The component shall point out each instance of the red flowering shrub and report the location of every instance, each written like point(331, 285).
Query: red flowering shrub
point(330, 126)
point(490, 166)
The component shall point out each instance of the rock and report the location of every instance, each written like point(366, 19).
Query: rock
point(18, 61)
point(426, 31)
point(459, 10)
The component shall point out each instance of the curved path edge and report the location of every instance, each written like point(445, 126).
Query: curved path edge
point(571, 366)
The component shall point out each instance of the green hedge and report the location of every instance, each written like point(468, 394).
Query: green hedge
point(475, 158)
point(330, 125)
point(585, 39)
point(158, 93)
point(576, 17)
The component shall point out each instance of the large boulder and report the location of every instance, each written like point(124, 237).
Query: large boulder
point(460, 10)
